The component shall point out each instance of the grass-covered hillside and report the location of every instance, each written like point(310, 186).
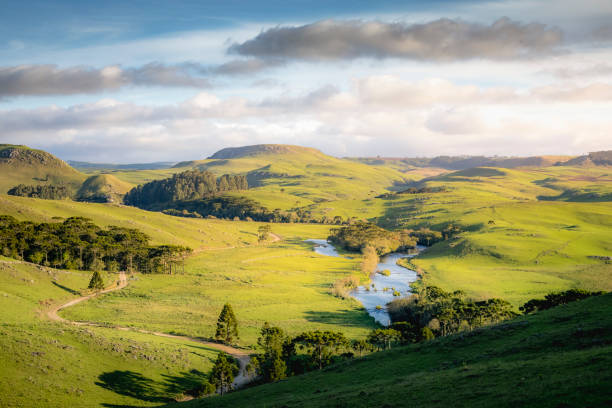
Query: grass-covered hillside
point(23, 165)
point(557, 358)
point(103, 188)
point(283, 176)
point(52, 364)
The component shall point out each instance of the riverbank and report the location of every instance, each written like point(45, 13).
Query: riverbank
point(383, 287)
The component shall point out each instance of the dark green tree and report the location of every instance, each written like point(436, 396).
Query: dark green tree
point(223, 373)
point(263, 232)
point(322, 344)
point(382, 338)
point(271, 366)
point(96, 282)
point(227, 325)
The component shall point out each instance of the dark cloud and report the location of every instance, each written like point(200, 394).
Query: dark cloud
point(52, 80)
point(246, 66)
point(443, 39)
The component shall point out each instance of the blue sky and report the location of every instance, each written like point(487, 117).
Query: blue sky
point(175, 80)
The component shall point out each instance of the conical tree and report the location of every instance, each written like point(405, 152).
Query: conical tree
point(223, 373)
point(96, 281)
point(227, 325)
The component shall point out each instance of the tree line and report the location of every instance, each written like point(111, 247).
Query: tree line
point(188, 185)
point(77, 243)
point(445, 313)
point(47, 191)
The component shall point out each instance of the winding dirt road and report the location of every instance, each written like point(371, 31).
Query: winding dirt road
point(242, 356)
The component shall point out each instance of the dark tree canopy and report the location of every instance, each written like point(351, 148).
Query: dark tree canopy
point(227, 325)
point(186, 186)
point(96, 281)
point(47, 191)
point(556, 299)
point(223, 373)
point(77, 243)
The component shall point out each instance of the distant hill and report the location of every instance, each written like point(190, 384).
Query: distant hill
point(23, 165)
point(103, 188)
point(286, 176)
point(262, 149)
point(464, 162)
point(602, 158)
point(87, 166)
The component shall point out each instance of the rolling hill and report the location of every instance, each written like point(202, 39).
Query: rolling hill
point(23, 165)
point(556, 358)
point(103, 188)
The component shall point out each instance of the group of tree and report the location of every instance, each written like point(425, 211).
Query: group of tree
point(186, 186)
point(77, 243)
point(445, 313)
point(557, 298)
point(46, 191)
point(361, 234)
point(233, 207)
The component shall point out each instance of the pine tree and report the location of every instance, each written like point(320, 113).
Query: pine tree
point(223, 373)
point(96, 281)
point(227, 325)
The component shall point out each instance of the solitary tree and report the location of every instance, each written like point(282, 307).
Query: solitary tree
point(223, 373)
point(263, 232)
point(227, 325)
point(96, 281)
point(272, 367)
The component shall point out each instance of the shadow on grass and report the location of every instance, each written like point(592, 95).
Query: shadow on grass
point(131, 384)
point(135, 385)
point(67, 289)
point(350, 318)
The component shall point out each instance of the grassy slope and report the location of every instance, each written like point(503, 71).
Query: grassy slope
point(284, 282)
point(34, 167)
point(305, 176)
point(532, 248)
point(557, 358)
point(103, 185)
point(48, 364)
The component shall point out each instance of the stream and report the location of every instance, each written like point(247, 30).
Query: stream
point(379, 292)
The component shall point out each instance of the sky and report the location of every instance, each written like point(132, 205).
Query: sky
point(145, 81)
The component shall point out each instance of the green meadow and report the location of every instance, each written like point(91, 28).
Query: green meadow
point(556, 358)
point(52, 364)
point(523, 233)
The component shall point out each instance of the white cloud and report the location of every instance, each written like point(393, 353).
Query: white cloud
point(378, 115)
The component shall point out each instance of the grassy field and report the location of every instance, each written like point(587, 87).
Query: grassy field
point(514, 245)
point(49, 364)
point(284, 283)
point(557, 358)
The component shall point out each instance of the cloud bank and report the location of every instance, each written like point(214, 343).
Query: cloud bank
point(439, 40)
point(377, 115)
point(52, 80)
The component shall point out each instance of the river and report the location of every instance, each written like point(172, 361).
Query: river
point(379, 292)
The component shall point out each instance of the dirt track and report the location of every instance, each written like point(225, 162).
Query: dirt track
point(241, 379)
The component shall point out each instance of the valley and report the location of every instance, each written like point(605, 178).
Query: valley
point(512, 234)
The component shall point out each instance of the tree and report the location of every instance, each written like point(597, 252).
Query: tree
point(96, 282)
point(223, 373)
point(361, 346)
point(272, 367)
point(263, 232)
point(321, 344)
point(427, 334)
point(227, 325)
point(382, 338)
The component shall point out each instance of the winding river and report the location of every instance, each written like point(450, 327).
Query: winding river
point(381, 289)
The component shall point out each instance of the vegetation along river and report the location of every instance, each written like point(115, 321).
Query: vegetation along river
point(381, 288)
